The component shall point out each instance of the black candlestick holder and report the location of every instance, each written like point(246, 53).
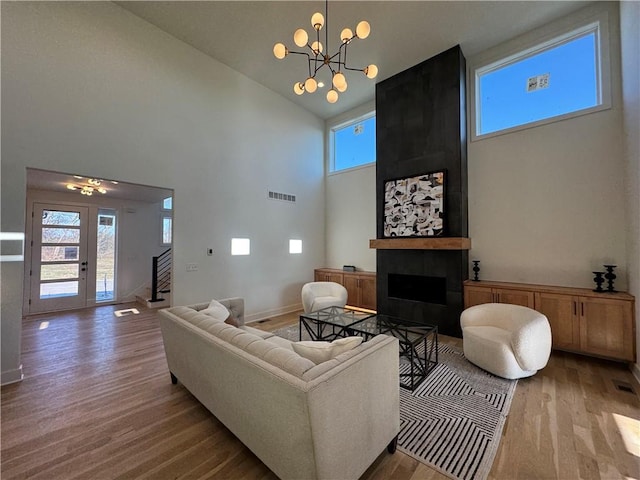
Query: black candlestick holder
point(610, 276)
point(599, 279)
point(476, 269)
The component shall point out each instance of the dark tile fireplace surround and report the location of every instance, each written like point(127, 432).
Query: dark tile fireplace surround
point(421, 128)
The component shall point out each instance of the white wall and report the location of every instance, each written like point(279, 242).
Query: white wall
point(547, 204)
point(351, 209)
point(89, 87)
point(630, 52)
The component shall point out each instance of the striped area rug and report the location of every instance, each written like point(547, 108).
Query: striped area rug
point(453, 421)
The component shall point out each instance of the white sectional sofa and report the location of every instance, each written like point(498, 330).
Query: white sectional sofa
point(304, 421)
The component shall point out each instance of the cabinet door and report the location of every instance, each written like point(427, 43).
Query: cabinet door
point(322, 275)
point(606, 327)
point(476, 295)
point(353, 293)
point(335, 277)
point(368, 292)
point(514, 297)
point(561, 310)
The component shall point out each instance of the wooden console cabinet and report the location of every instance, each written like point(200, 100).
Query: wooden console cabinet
point(361, 286)
point(582, 321)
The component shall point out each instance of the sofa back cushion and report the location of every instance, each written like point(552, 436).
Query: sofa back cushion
point(280, 357)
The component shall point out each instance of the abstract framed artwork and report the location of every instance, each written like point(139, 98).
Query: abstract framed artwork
point(414, 206)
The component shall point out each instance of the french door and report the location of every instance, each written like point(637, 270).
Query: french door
point(59, 258)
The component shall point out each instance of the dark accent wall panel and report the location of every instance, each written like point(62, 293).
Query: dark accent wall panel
point(421, 127)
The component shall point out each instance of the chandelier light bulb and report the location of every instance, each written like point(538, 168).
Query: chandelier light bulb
point(339, 80)
point(363, 29)
point(332, 96)
point(316, 47)
point(298, 88)
point(317, 21)
point(71, 187)
point(346, 35)
point(300, 37)
point(101, 190)
point(310, 85)
point(371, 71)
point(342, 88)
point(280, 51)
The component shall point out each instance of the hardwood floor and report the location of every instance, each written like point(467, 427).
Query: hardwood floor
point(97, 403)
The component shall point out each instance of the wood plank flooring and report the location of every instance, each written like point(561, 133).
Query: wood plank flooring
point(97, 403)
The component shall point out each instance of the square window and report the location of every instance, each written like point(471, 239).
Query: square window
point(295, 246)
point(240, 246)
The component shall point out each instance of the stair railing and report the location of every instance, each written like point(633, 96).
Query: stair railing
point(161, 276)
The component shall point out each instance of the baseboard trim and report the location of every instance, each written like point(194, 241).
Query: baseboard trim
point(635, 370)
point(255, 317)
point(11, 376)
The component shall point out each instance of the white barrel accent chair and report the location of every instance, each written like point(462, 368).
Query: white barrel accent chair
point(317, 295)
point(510, 341)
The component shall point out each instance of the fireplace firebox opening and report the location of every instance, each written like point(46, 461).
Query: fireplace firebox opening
point(419, 288)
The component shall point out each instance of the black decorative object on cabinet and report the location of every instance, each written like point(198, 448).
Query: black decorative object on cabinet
point(610, 276)
point(599, 279)
point(476, 270)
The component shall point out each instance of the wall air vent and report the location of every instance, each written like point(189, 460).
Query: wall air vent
point(284, 197)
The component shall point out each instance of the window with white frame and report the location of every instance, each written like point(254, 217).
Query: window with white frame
point(353, 143)
point(553, 80)
point(166, 222)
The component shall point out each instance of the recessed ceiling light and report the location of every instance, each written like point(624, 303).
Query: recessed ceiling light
point(78, 177)
point(320, 84)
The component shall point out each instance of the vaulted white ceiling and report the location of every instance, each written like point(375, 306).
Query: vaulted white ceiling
point(241, 35)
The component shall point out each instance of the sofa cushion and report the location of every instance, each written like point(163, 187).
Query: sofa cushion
point(256, 331)
point(216, 310)
point(287, 360)
point(281, 342)
point(319, 352)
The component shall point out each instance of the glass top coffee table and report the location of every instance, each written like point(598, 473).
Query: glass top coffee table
point(418, 342)
point(331, 322)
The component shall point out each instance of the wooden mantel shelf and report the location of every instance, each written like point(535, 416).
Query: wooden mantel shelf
point(439, 243)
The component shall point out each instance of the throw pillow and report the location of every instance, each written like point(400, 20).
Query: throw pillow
point(233, 321)
point(319, 352)
point(216, 310)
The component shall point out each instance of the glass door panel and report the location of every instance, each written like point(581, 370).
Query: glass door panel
point(106, 255)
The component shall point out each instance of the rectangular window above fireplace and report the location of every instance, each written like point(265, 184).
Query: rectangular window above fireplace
point(419, 288)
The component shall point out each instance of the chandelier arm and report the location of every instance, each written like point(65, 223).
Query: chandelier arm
point(299, 53)
point(326, 25)
point(354, 69)
point(345, 56)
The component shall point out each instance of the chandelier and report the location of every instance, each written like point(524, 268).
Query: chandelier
point(317, 58)
point(87, 188)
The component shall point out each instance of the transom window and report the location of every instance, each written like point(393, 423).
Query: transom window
point(353, 144)
point(550, 81)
